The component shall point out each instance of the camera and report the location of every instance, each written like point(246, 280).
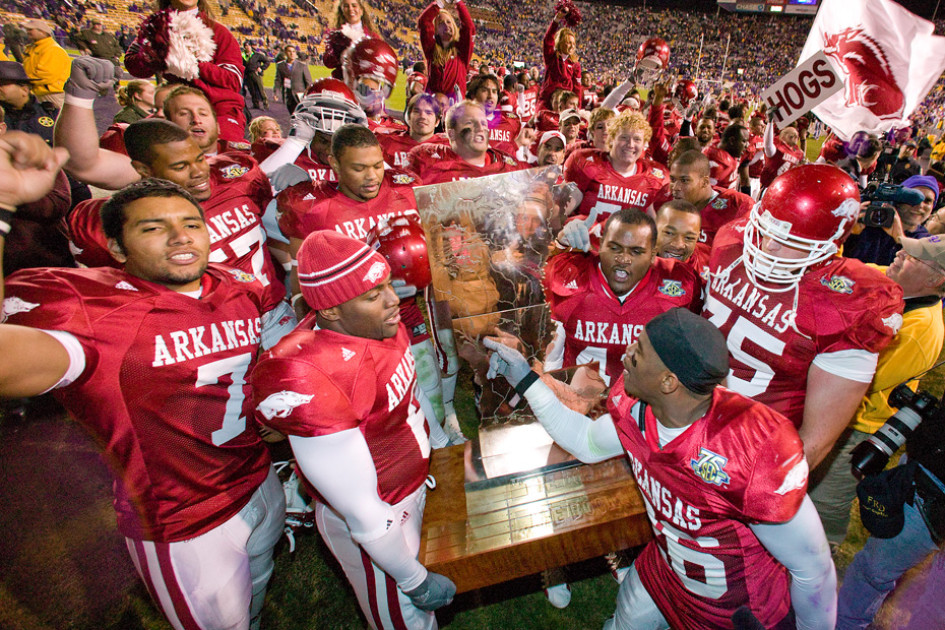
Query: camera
point(883, 199)
point(871, 456)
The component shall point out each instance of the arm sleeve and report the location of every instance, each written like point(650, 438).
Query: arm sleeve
point(855, 365)
point(276, 323)
point(143, 58)
point(616, 95)
point(589, 440)
point(770, 149)
point(548, 45)
point(226, 69)
point(801, 546)
point(467, 32)
point(285, 154)
point(342, 470)
point(425, 26)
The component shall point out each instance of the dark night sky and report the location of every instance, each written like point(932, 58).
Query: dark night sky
point(923, 8)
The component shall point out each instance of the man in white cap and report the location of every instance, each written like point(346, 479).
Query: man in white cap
point(341, 386)
point(46, 62)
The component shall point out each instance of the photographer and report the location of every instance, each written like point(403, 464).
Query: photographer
point(878, 245)
point(919, 268)
point(904, 508)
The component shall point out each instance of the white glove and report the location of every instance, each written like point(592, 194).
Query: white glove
point(434, 592)
point(577, 234)
point(287, 175)
point(304, 126)
point(507, 362)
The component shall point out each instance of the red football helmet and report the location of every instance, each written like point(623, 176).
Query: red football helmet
point(402, 242)
point(810, 209)
point(328, 104)
point(685, 93)
point(653, 54)
point(370, 59)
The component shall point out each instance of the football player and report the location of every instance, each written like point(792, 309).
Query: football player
point(722, 478)
point(621, 178)
point(366, 196)
point(804, 326)
point(341, 386)
point(423, 116)
point(503, 128)
point(370, 69)
point(781, 153)
point(678, 225)
point(152, 355)
point(231, 188)
point(690, 179)
point(600, 302)
point(468, 154)
point(725, 167)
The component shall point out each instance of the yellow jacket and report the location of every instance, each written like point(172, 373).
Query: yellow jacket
point(3, 56)
point(914, 350)
point(49, 63)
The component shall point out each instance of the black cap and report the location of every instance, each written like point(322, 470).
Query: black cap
point(13, 72)
point(691, 347)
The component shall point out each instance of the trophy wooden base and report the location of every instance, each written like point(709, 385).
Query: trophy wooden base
point(521, 526)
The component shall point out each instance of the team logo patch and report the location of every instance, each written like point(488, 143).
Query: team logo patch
point(795, 479)
point(403, 178)
point(126, 286)
point(242, 276)
point(509, 161)
point(375, 273)
point(239, 146)
point(658, 172)
point(233, 171)
point(710, 467)
point(308, 197)
point(46, 121)
point(720, 203)
point(893, 322)
point(281, 404)
point(14, 305)
point(346, 354)
point(672, 288)
point(617, 399)
point(840, 284)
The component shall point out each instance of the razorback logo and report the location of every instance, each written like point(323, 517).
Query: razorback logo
point(870, 82)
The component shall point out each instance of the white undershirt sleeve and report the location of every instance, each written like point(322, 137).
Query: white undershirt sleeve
point(291, 148)
point(342, 470)
point(76, 357)
point(854, 364)
point(589, 440)
point(616, 95)
point(769, 147)
point(801, 546)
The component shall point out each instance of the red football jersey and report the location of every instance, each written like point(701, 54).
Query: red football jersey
point(502, 132)
point(319, 382)
point(240, 194)
point(525, 107)
point(396, 146)
point(437, 163)
point(723, 168)
point(546, 120)
point(308, 207)
point(724, 206)
point(740, 463)
point(840, 305)
point(784, 158)
point(597, 326)
point(164, 390)
point(611, 192)
point(755, 154)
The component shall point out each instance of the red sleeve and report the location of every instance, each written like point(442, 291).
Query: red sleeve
point(416, 160)
point(575, 170)
point(855, 327)
point(548, 46)
point(778, 481)
point(52, 207)
point(296, 398)
point(659, 145)
point(86, 238)
point(226, 69)
point(467, 33)
point(291, 209)
point(39, 298)
point(427, 32)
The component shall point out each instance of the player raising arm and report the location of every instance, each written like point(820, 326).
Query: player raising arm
point(723, 479)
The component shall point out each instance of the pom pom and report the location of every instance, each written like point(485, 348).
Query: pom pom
point(190, 42)
point(573, 17)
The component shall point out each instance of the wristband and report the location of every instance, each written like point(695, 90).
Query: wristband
point(6, 220)
point(295, 298)
point(78, 101)
point(526, 382)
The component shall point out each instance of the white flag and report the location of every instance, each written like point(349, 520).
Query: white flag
point(888, 60)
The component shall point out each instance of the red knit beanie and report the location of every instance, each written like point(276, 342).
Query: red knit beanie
point(334, 269)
